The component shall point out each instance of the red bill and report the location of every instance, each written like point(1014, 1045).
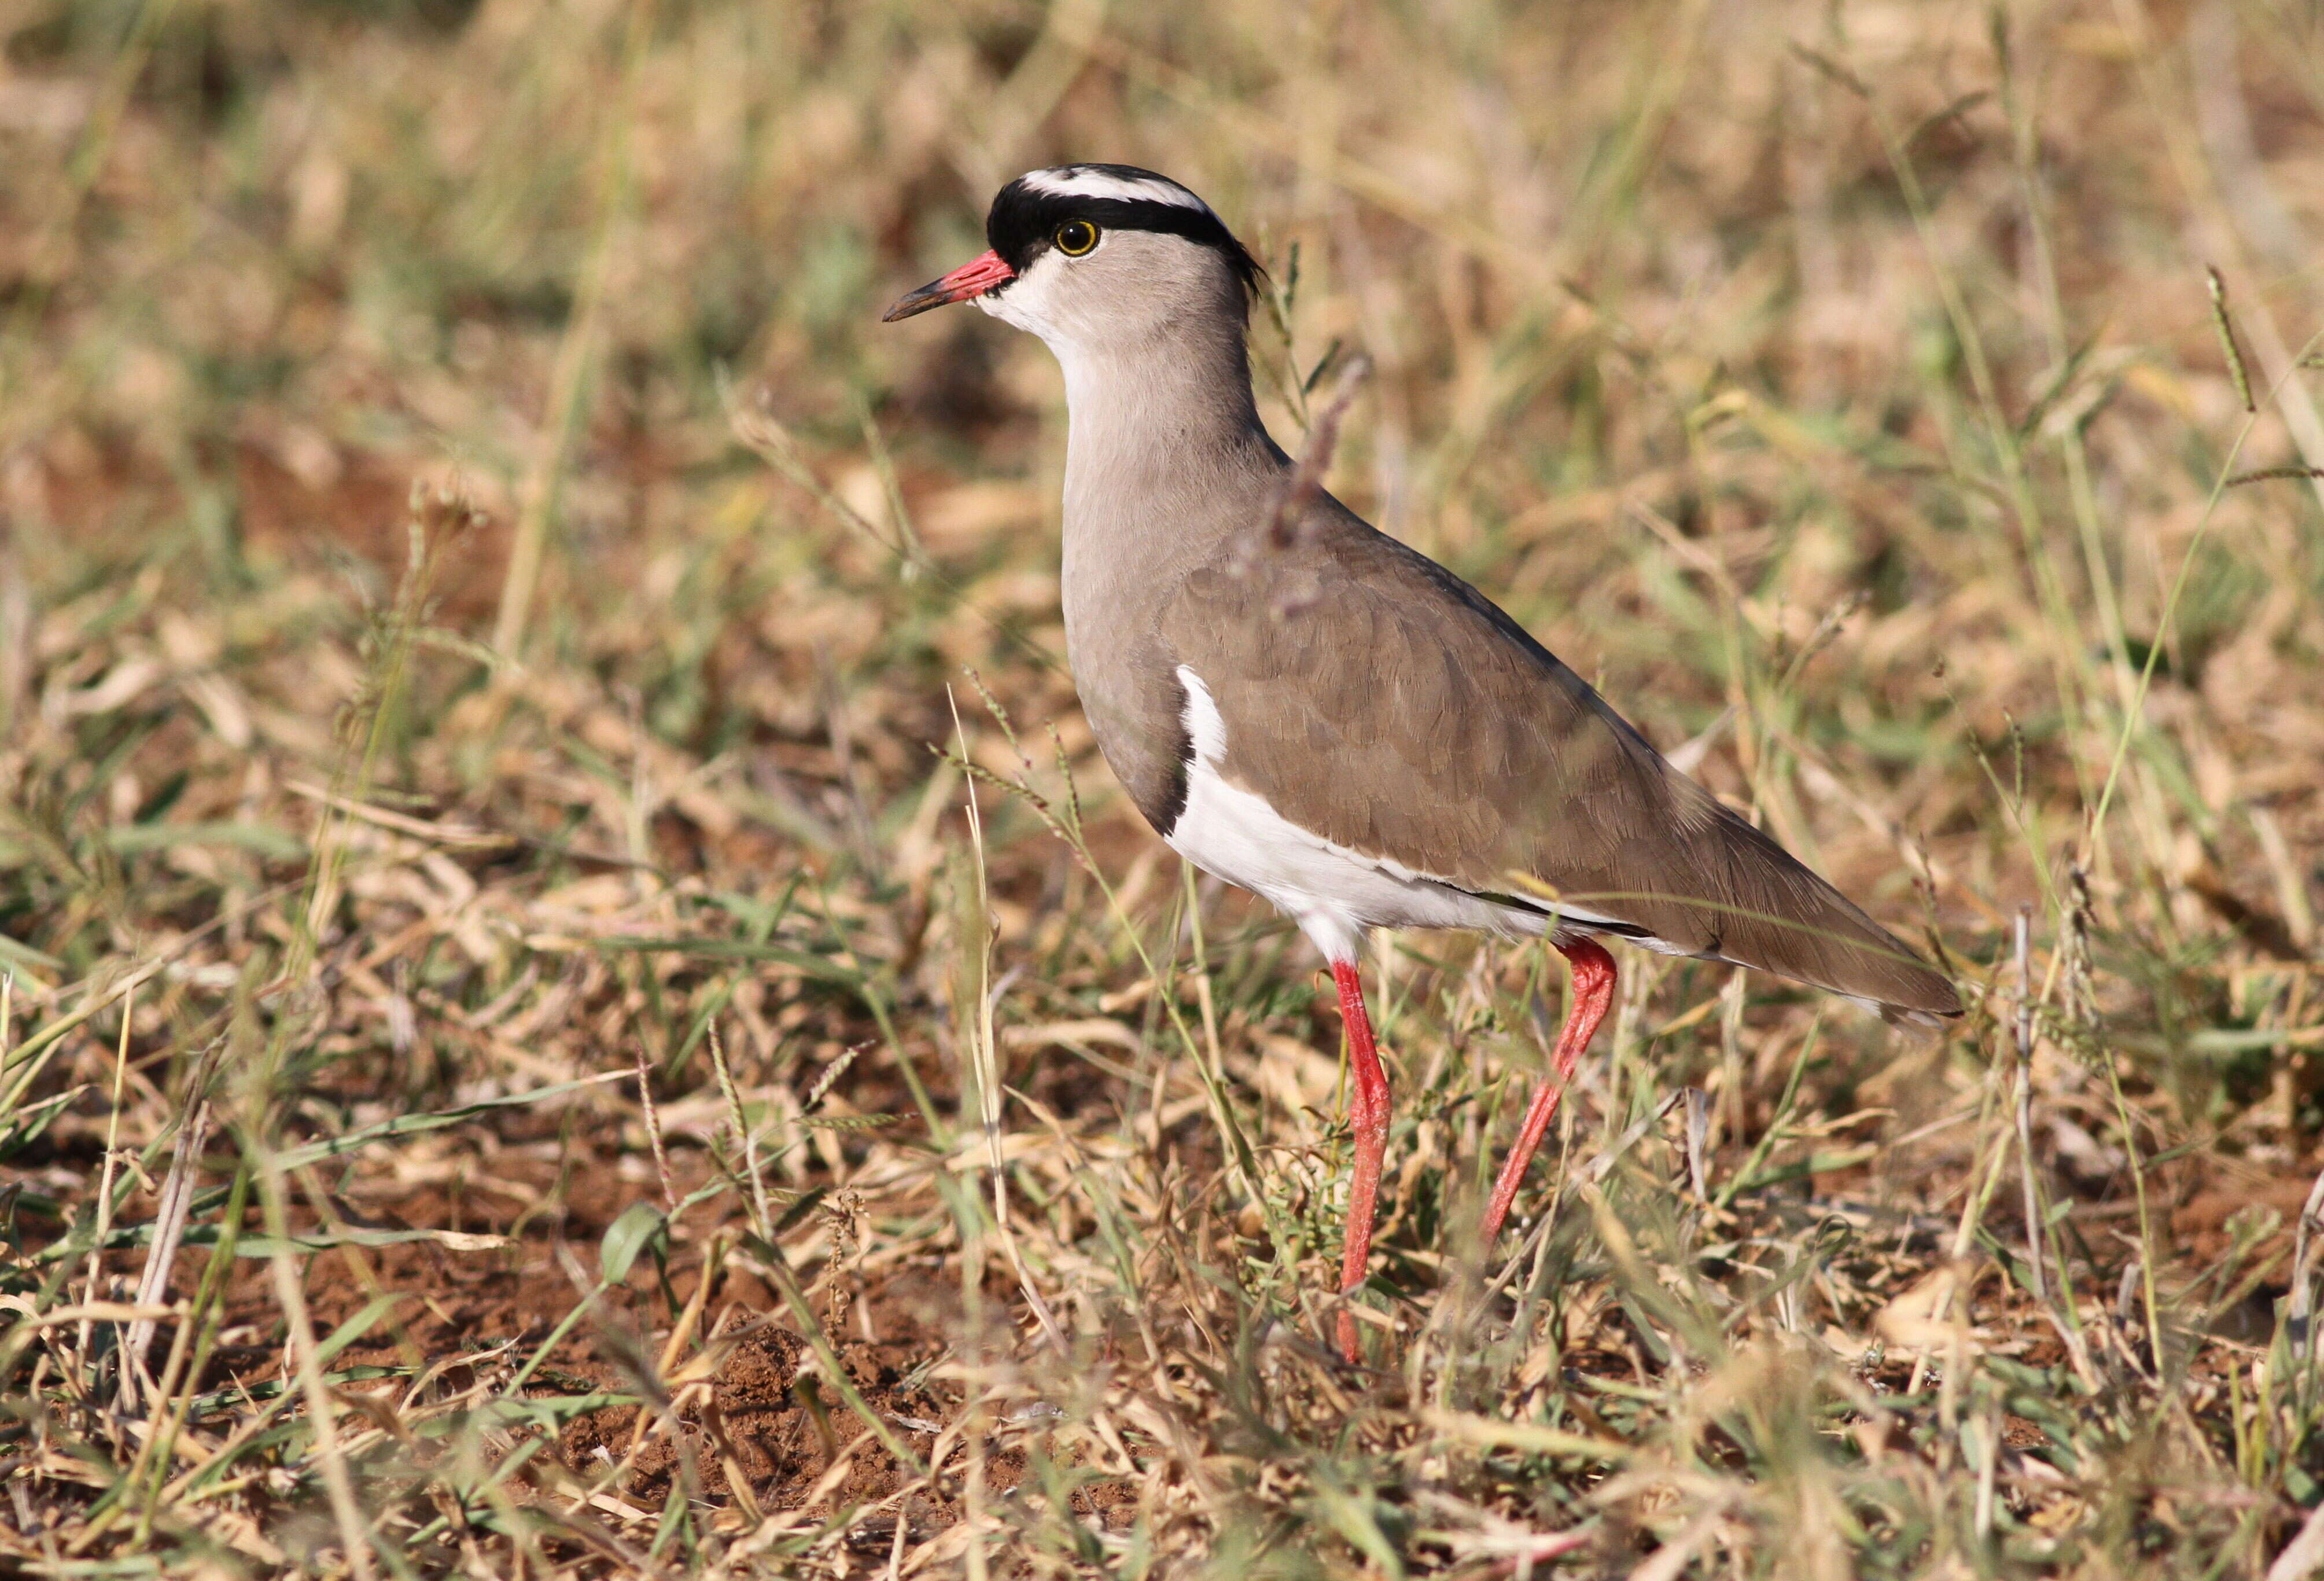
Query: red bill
point(971, 278)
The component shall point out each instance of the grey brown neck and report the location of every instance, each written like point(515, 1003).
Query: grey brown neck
point(1158, 425)
point(1165, 458)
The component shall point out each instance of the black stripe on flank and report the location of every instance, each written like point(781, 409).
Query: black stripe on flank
point(1165, 814)
point(1580, 924)
point(1023, 220)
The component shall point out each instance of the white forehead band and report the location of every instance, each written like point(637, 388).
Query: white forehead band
point(1081, 181)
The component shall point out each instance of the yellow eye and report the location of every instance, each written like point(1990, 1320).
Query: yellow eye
point(1076, 237)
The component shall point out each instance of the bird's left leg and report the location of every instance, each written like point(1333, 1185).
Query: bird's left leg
point(1593, 992)
point(1368, 1112)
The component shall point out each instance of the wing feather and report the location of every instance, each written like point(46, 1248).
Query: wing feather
point(1374, 697)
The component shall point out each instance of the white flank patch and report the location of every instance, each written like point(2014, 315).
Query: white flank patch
point(1084, 181)
point(1333, 892)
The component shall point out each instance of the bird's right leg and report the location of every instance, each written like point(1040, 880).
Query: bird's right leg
point(1368, 1107)
point(1593, 992)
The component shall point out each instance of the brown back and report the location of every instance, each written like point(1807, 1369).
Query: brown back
point(1374, 697)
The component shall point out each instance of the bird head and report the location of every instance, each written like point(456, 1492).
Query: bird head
point(1089, 255)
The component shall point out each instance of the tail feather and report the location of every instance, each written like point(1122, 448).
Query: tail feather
point(1725, 890)
point(1781, 918)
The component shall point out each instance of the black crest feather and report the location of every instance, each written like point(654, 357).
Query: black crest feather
point(1024, 217)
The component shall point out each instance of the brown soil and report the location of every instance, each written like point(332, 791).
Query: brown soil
point(761, 1405)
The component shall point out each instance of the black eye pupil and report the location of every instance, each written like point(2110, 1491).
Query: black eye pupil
point(1076, 236)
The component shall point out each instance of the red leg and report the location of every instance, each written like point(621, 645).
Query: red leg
point(1593, 991)
point(1367, 1111)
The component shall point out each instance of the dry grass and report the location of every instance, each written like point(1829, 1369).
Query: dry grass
point(520, 1058)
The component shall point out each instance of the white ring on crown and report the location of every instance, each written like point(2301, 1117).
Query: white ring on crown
point(1083, 181)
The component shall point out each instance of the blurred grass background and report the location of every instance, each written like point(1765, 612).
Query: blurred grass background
point(479, 591)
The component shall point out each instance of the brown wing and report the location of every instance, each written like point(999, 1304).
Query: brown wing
point(1373, 696)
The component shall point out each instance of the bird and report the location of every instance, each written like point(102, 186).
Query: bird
point(1308, 708)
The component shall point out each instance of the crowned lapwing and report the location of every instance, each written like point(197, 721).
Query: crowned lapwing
point(1314, 712)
